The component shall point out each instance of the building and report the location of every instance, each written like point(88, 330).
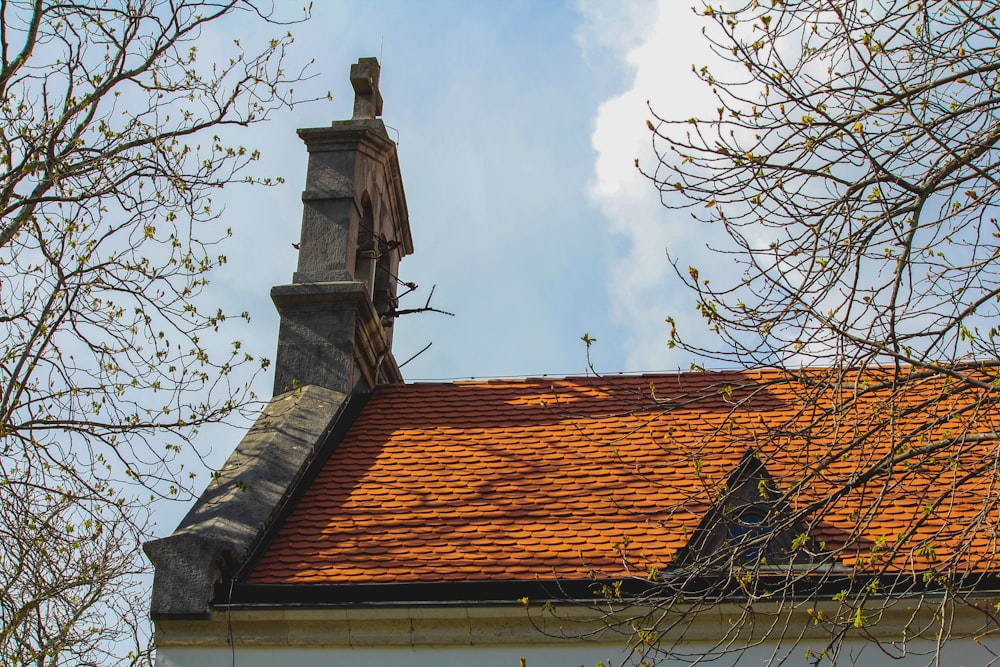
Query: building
point(564, 521)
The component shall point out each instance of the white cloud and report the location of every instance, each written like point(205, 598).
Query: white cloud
point(643, 284)
point(613, 28)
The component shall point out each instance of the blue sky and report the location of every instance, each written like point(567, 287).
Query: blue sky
point(518, 124)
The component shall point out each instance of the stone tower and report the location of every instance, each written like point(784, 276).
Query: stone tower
point(337, 314)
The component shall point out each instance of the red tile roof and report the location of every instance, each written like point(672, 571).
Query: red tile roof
point(517, 479)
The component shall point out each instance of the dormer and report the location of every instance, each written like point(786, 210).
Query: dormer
point(750, 524)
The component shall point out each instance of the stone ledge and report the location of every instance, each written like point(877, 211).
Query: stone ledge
point(317, 295)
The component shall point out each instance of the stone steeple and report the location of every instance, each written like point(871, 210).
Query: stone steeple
point(337, 314)
point(334, 342)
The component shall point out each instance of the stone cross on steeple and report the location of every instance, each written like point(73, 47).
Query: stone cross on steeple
point(367, 98)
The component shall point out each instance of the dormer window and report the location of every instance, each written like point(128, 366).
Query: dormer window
point(747, 531)
point(748, 525)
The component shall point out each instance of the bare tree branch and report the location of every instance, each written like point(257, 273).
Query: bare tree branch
point(851, 180)
point(111, 147)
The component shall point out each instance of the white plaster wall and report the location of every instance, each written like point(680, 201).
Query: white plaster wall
point(956, 653)
point(570, 656)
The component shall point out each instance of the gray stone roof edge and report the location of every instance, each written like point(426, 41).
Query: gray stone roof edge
point(240, 503)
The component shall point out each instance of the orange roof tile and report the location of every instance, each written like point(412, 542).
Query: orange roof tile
point(517, 479)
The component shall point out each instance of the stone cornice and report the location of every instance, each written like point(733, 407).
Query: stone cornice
point(471, 624)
